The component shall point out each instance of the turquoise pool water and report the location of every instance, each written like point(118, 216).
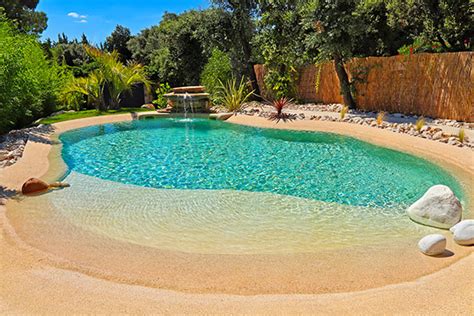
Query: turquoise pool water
point(212, 155)
point(206, 186)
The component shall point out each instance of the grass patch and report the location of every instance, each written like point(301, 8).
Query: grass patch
point(420, 123)
point(87, 113)
point(380, 118)
point(462, 135)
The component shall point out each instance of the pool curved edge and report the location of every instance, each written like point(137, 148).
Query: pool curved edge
point(44, 160)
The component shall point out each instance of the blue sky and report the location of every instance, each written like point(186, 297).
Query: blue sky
point(98, 18)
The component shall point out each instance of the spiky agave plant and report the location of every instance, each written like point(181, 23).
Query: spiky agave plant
point(279, 105)
point(234, 94)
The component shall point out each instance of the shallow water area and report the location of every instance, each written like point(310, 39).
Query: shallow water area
point(224, 221)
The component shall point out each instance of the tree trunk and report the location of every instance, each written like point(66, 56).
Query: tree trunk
point(344, 81)
point(242, 12)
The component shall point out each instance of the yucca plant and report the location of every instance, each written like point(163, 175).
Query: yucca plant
point(380, 118)
point(344, 111)
point(279, 105)
point(234, 94)
point(420, 123)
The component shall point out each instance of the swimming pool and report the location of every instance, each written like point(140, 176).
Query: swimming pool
point(213, 187)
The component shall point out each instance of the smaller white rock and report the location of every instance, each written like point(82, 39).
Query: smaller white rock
point(432, 245)
point(462, 225)
point(464, 235)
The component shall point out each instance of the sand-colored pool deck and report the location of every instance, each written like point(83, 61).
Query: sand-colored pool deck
point(36, 280)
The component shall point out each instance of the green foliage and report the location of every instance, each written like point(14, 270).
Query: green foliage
point(29, 84)
point(23, 16)
point(105, 86)
point(241, 36)
point(160, 100)
point(218, 69)
point(317, 81)
point(117, 41)
point(420, 46)
point(233, 94)
point(177, 49)
point(442, 25)
point(280, 39)
point(282, 83)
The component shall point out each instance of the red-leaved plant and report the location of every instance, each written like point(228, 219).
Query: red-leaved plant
point(279, 105)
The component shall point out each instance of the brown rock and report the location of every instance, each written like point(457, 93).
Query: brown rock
point(33, 186)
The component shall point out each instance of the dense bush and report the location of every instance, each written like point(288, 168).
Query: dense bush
point(29, 84)
point(218, 68)
point(160, 100)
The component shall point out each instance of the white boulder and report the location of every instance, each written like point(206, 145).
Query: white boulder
point(462, 225)
point(438, 207)
point(432, 245)
point(464, 235)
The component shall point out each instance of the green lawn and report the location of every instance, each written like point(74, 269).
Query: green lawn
point(87, 113)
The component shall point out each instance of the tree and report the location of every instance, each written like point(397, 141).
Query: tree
point(73, 55)
point(280, 39)
point(84, 40)
point(218, 69)
point(448, 22)
point(117, 41)
point(23, 15)
point(439, 25)
point(105, 87)
point(335, 30)
point(177, 49)
point(242, 14)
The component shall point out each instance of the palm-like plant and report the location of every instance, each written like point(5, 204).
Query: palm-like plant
point(279, 105)
point(106, 85)
point(234, 94)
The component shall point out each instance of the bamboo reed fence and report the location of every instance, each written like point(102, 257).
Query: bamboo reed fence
point(432, 85)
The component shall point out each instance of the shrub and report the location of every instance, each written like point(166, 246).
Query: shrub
point(281, 83)
point(29, 84)
point(218, 68)
point(279, 105)
point(234, 94)
point(160, 100)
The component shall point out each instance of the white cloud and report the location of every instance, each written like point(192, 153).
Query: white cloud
point(80, 17)
point(74, 15)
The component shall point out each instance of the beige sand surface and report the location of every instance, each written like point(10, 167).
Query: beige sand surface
point(31, 282)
